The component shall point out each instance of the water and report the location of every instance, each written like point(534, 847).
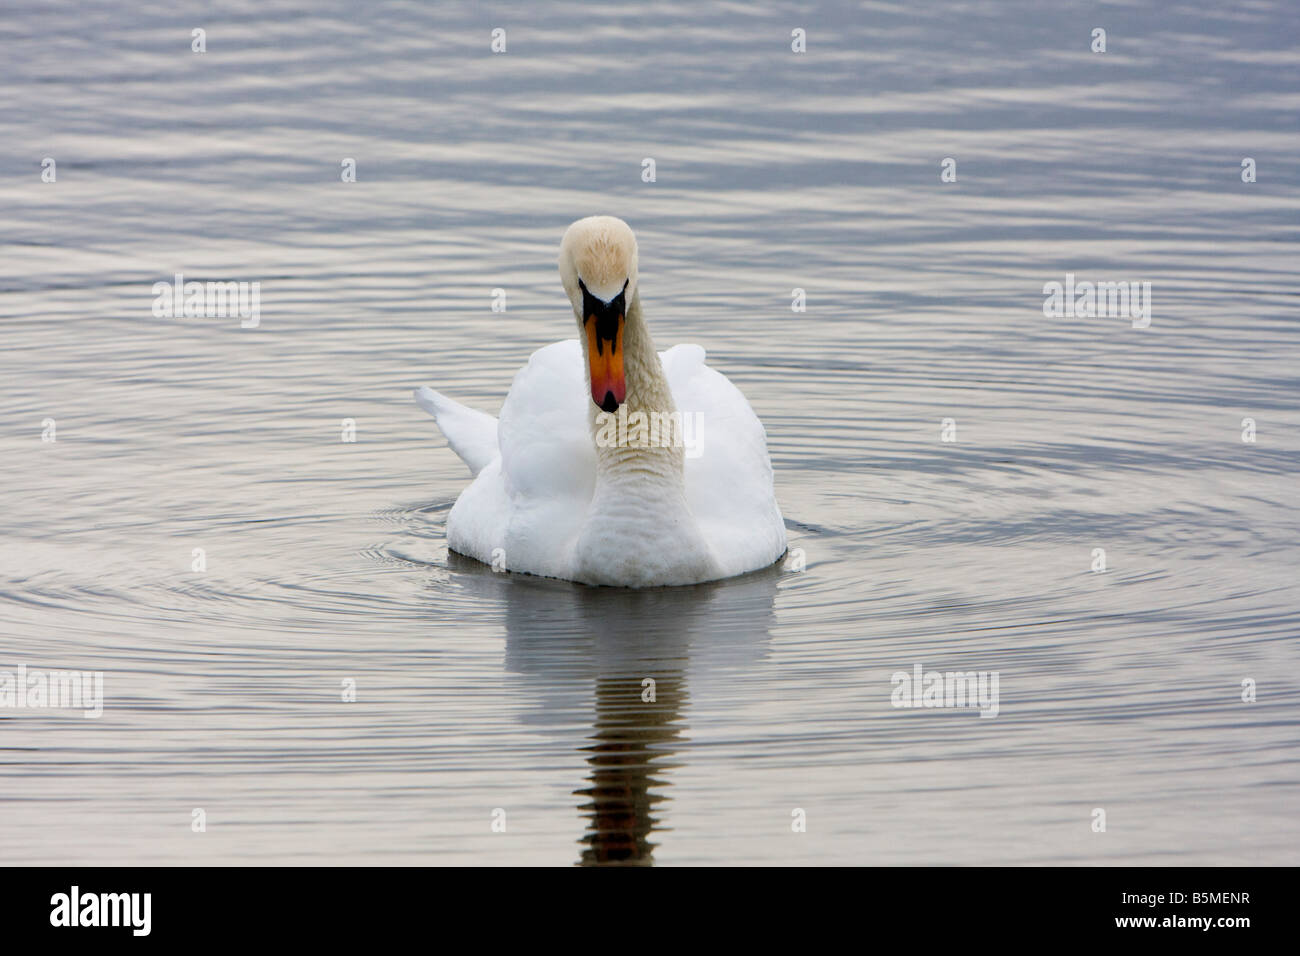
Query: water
point(476, 692)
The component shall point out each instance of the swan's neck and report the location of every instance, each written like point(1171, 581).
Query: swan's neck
point(639, 528)
point(636, 443)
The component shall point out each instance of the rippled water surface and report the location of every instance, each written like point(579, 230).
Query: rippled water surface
point(477, 692)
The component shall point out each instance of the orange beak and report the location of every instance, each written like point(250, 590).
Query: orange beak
point(605, 358)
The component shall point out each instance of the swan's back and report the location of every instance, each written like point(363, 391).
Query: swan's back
point(532, 500)
point(729, 485)
point(531, 503)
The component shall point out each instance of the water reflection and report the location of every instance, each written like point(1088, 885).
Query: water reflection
point(623, 660)
point(636, 737)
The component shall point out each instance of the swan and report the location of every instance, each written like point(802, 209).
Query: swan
point(613, 464)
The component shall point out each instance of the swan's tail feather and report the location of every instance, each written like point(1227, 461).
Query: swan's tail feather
point(471, 434)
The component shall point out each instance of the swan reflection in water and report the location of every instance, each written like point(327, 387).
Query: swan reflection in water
point(623, 660)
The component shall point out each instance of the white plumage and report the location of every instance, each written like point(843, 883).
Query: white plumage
point(551, 497)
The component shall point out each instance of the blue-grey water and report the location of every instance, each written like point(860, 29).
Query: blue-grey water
point(499, 718)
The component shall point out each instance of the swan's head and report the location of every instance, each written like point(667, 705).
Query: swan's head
point(598, 268)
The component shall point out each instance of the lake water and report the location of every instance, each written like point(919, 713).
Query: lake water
point(487, 698)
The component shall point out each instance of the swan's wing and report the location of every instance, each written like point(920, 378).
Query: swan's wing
point(728, 471)
point(546, 443)
point(548, 462)
point(525, 505)
point(471, 434)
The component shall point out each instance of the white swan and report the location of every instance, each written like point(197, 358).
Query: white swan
point(613, 464)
